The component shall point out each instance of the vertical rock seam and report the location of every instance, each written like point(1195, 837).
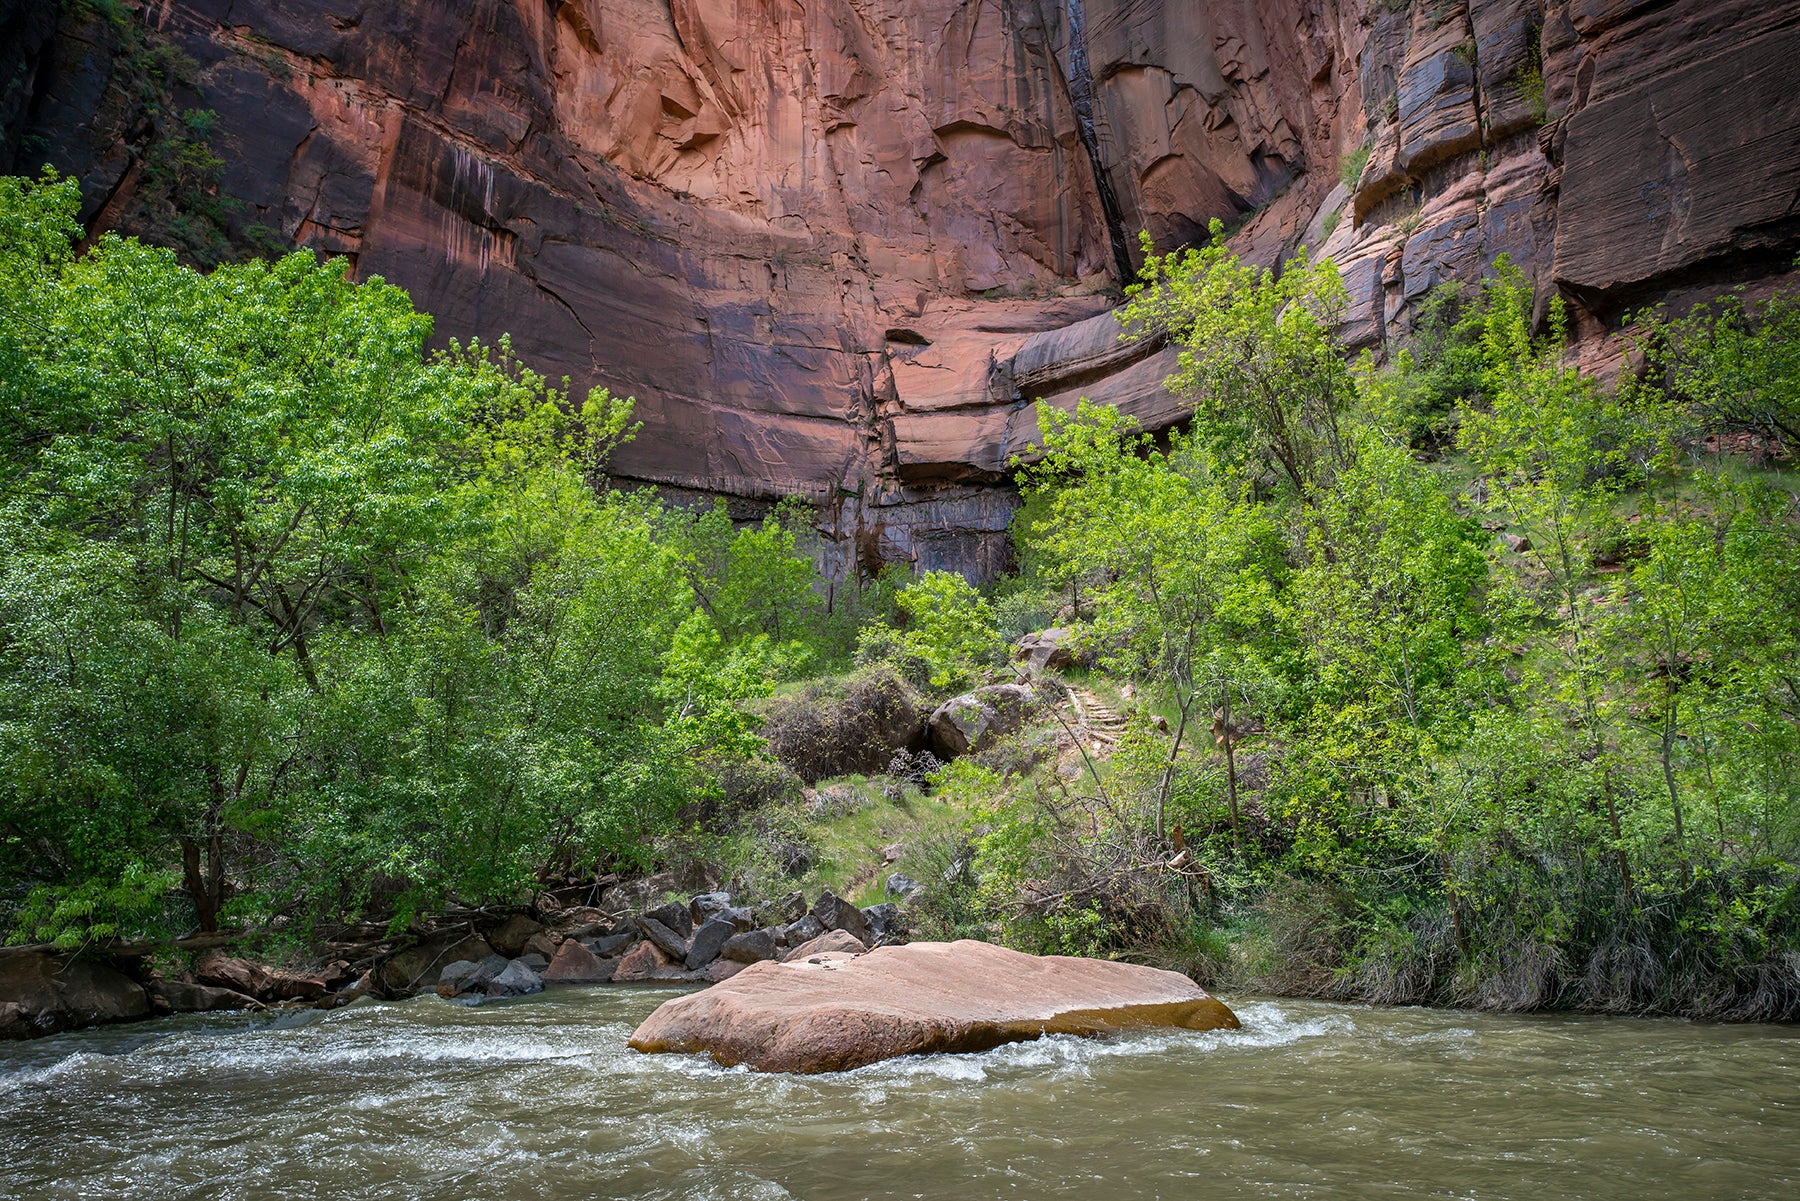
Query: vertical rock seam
point(1081, 91)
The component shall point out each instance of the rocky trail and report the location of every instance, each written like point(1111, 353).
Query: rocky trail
point(1094, 717)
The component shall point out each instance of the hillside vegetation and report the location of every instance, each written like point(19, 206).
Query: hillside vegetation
point(1459, 678)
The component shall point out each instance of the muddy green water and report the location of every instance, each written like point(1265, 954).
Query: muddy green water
point(540, 1099)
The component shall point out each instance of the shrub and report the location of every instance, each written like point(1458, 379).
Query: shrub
point(852, 726)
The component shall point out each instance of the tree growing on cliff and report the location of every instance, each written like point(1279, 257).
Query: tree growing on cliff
point(1258, 355)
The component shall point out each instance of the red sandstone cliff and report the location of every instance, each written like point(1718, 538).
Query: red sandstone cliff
point(837, 249)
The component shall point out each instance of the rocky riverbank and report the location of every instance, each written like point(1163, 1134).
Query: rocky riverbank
point(703, 939)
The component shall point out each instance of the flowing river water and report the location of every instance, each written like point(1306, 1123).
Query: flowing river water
point(539, 1100)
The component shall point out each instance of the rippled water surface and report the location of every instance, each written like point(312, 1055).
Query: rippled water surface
point(540, 1099)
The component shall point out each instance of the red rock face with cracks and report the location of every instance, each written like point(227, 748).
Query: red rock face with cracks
point(837, 250)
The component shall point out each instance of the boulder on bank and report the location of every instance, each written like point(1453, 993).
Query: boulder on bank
point(1052, 649)
point(575, 964)
point(405, 972)
point(832, 942)
point(180, 997)
point(835, 913)
point(42, 993)
point(976, 720)
point(922, 998)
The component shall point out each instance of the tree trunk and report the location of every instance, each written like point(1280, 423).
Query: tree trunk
point(204, 909)
point(1231, 797)
point(1668, 766)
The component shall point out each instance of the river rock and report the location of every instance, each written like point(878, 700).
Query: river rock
point(840, 942)
point(404, 971)
point(918, 999)
point(720, 970)
point(470, 976)
point(575, 964)
point(884, 920)
point(182, 997)
point(835, 913)
point(219, 970)
point(675, 916)
point(611, 944)
point(704, 905)
point(670, 943)
point(41, 993)
point(544, 943)
point(642, 962)
point(518, 980)
point(802, 931)
point(790, 908)
point(751, 946)
point(703, 948)
point(741, 917)
point(511, 936)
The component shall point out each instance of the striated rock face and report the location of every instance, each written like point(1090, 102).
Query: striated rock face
point(831, 1011)
point(837, 249)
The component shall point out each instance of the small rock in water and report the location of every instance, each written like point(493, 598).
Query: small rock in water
point(752, 946)
point(703, 948)
point(517, 980)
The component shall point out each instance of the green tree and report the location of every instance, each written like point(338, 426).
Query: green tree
point(1258, 354)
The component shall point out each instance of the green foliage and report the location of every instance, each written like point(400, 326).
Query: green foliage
point(1350, 167)
point(309, 620)
point(1732, 365)
point(1556, 770)
point(948, 628)
point(1258, 356)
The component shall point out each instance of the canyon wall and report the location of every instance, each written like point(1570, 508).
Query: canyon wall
point(839, 249)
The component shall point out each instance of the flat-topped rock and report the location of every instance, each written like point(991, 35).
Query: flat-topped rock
point(838, 1011)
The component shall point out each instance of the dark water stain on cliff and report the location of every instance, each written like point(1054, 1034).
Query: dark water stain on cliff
point(1081, 91)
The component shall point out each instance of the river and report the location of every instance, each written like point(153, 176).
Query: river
point(539, 1100)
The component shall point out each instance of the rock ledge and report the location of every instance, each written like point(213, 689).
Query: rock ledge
point(834, 1012)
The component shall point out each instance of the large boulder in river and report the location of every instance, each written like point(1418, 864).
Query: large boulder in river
point(846, 1011)
point(976, 720)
